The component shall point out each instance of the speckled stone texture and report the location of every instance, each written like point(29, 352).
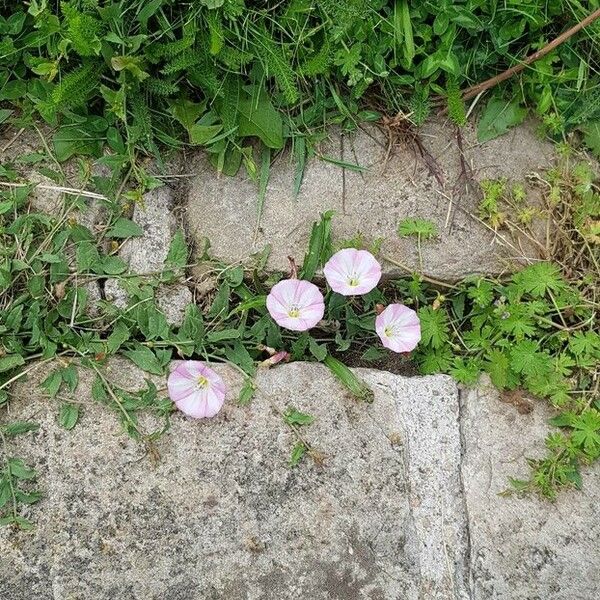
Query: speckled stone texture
point(524, 549)
point(405, 504)
point(222, 515)
point(396, 183)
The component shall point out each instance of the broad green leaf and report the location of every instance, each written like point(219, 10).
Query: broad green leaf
point(11, 361)
point(124, 228)
point(18, 428)
point(498, 117)
point(259, 118)
point(178, 252)
point(145, 359)
point(319, 351)
point(120, 334)
point(591, 136)
point(201, 135)
point(68, 415)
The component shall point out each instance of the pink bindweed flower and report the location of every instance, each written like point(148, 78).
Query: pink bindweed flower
point(196, 390)
point(352, 272)
point(398, 327)
point(296, 304)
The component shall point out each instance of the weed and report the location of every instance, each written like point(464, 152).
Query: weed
point(137, 76)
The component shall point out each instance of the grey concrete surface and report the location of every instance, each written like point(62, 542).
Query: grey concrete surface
point(404, 505)
point(395, 183)
point(524, 549)
point(222, 515)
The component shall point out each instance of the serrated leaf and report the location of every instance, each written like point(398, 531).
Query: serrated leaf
point(295, 417)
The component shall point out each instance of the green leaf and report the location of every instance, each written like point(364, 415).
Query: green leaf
point(319, 351)
point(18, 428)
point(187, 112)
point(526, 358)
point(295, 417)
point(591, 136)
point(319, 247)
point(145, 359)
point(68, 415)
point(224, 334)
point(247, 392)
point(178, 252)
point(201, 135)
point(87, 256)
point(11, 361)
point(498, 367)
point(540, 278)
point(69, 141)
point(349, 379)
point(52, 383)
point(113, 265)
point(70, 376)
point(20, 470)
point(417, 227)
point(259, 118)
point(498, 117)
point(120, 334)
point(434, 326)
point(124, 228)
point(298, 453)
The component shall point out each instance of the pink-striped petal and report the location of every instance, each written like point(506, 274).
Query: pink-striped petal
point(296, 304)
point(196, 389)
point(399, 328)
point(352, 272)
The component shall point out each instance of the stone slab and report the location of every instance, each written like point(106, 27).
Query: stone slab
point(222, 515)
point(395, 183)
point(405, 504)
point(524, 549)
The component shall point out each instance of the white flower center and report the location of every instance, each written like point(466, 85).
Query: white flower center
point(353, 280)
point(202, 382)
point(294, 312)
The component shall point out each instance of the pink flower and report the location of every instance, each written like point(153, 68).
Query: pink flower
point(352, 272)
point(296, 304)
point(196, 390)
point(399, 328)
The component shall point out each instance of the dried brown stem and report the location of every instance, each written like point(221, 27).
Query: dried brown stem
point(563, 37)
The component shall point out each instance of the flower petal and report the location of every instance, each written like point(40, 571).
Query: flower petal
point(348, 264)
point(191, 396)
point(399, 328)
